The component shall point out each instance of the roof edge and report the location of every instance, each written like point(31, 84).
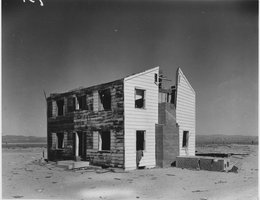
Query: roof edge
point(179, 71)
point(141, 73)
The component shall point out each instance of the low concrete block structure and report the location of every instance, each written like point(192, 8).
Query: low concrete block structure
point(203, 163)
point(214, 164)
point(191, 162)
point(71, 164)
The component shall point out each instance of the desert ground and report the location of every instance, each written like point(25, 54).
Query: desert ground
point(23, 176)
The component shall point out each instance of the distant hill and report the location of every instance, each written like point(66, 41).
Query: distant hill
point(23, 139)
point(226, 139)
point(200, 139)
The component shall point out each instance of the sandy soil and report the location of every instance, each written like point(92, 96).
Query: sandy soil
point(23, 177)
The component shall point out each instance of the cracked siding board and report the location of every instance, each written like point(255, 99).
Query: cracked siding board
point(140, 119)
point(185, 112)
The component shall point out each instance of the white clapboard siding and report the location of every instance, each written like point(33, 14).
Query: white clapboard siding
point(140, 119)
point(186, 112)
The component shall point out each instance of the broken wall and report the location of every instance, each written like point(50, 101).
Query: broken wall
point(88, 121)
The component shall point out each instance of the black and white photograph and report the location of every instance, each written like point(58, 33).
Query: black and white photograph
point(124, 100)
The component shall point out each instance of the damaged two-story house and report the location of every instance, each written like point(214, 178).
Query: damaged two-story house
point(128, 123)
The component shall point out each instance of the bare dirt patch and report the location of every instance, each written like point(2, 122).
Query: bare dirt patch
point(25, 178)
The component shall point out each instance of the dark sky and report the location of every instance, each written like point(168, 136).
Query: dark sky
point(66, 44)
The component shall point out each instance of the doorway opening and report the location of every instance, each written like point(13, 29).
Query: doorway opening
point(140, 147)
point(80, 145)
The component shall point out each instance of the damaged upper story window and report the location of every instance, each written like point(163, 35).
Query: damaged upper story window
point(49, 109)
point(139, 98)
point(81, 102)
point(104, 99)
point(71, 104)
point(77, 103)
point(60, 106)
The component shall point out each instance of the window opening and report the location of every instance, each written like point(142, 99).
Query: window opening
point(104, 140)
point(105, 99)
point(173, 95)
point(49, 109)
point(139, 98)
point(82, 102)
point(60, 142)
point(185, 138)
point(60, 105)
point(140, 140)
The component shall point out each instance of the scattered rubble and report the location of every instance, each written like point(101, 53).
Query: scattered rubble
point(17, 196)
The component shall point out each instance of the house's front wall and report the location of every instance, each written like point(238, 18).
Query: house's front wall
point(143, 119)
point(185, 113)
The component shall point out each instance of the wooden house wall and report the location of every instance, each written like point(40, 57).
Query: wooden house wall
point(185, 113)
point(141, 119)
point(88, 122)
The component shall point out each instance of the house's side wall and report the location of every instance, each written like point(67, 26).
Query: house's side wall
point(140, 119)
point(88, 122)
point(185, 113)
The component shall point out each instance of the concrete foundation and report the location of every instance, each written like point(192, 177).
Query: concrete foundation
point(70, 164)
point(203, 163)
point(191, 162)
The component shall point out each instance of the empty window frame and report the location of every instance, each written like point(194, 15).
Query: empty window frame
point(104, 141)
point(70, 104)
point(60, 105)
point(139, 98)
point(104, 99)
point(49, 109)
point(60, 141)
point(173, 95)
point(82, 102)
point(140, 140)
point(185, 139)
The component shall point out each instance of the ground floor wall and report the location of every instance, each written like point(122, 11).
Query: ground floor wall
point(87, 146)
